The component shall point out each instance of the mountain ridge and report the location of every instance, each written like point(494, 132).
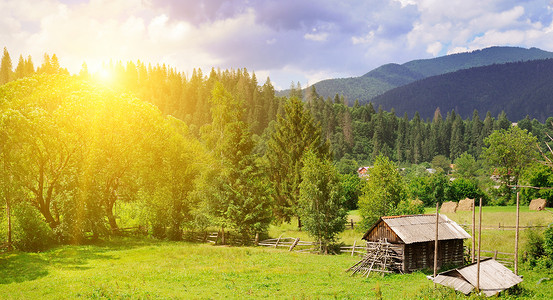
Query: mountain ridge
point(518, 88)
point(389, 76)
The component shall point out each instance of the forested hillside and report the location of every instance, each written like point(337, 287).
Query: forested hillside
point(519, 89)
point(83, 155)
point(390, 76)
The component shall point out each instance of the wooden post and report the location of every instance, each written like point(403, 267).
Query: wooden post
point(479, 247)
point(436, 242)
point(495, 254)
point(294, 244)
point(353, 249)
point(351, 221)
point(256, 238)
point(278, 241)
point(516, 236)
point(473, 231)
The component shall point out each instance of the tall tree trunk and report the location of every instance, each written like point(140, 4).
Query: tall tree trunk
point(8, 212)
point(111, 217)
point(45, 211)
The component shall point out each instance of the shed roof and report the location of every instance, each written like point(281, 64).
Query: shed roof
point(422, 228)
point(494, 278)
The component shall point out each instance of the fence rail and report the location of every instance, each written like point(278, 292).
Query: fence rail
point(507, 259)
point(504, 227)
point(354, 250)
point(290, 243)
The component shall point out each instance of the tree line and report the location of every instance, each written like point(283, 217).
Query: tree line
point(166, 151)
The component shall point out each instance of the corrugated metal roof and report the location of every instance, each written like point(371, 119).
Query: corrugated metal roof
point(422, 228)
point(494, 278)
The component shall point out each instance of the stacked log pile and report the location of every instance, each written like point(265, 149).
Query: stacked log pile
point(380, 257)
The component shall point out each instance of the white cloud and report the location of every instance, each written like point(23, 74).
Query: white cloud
point(316, 37)
point(434, 48)
point(368, 38)
point(345, 39)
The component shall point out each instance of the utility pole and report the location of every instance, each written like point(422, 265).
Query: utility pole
point(436, 241)
point(479, 244)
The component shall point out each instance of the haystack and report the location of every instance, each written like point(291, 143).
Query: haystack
point(466, 205)
point(449, 207)
point(538, 204)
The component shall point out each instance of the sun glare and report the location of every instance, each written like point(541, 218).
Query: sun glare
point(101, 72)
point(105, 75)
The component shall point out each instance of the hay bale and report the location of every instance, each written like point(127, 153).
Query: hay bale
point(449, 207)
point(538, 204)
point(466, 205)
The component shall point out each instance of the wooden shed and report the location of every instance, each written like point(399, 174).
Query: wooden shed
point(413, 239)
point(494, 278)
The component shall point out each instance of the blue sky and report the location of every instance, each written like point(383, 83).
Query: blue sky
point(288, 40)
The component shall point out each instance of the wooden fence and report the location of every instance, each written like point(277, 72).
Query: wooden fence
point(290, 243)
point(355, 249)
point(216, 238)
point(503, 227)
point(506, 259)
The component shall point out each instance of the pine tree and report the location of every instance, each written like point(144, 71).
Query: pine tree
point(20, 69)
point(294, 133)
point(457, 134)
point(5, 67)
point(238, 195)
point(487, 127)
point(502, 122)
point(476, 142)
point(29, 66)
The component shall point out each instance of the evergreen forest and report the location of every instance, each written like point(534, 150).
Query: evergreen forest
point(152, 147)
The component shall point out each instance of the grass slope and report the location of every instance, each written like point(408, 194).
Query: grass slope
point(133, 269)
point(129, 268)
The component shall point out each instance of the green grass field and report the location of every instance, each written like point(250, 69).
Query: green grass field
point(135, 269)
point(132, 268)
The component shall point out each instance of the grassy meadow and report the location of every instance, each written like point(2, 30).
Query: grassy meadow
point(141, 268)
point(138, 269)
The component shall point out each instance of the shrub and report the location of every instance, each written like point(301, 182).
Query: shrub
point(30, 232)
point(533, 248)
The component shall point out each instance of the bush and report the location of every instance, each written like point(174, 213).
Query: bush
point(539, 249)
point(533, 248)
point(30, 232)
point(548, 242)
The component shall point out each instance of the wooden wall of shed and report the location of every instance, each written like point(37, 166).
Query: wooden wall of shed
point(420, 256)
point(383, 231)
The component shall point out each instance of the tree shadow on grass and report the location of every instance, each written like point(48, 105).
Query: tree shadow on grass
point(21, 266)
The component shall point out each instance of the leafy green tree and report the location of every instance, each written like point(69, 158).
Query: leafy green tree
point(509, 152)
point(294, 133)
point(382, 193)
point(537, 175)
point(462, 188)
point(420, 188)
point(466, 166)
point(351, 185)
point(441, 164)
point(13, 130)
point(321, 203)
